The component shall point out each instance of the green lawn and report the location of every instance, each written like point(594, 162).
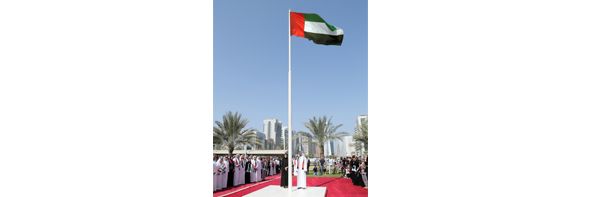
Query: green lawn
point(325, 175)
point(311, 174)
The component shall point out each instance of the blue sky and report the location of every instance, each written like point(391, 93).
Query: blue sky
point(251, 62)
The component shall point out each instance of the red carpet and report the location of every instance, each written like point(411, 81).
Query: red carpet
point(335, 187)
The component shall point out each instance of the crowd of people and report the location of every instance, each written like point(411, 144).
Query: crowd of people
point(237, 170)
point(324, 166)
point(354, 168)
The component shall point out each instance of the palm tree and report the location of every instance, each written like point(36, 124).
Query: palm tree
point(231, 132)
point(323, 130)
point(360, 134)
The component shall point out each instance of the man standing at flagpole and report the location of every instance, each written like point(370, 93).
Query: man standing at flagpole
point(301, 172)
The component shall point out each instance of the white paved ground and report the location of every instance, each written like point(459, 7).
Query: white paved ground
point(276, 190)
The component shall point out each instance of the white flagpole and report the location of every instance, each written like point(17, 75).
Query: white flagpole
point(290, 128)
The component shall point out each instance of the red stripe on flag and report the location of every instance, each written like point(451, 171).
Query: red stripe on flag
point(297, 23)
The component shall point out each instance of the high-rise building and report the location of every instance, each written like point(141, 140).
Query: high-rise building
point(332, 148)
point(347, 146)
point(269, 128)
point(279, 140)
point(328, 149)
point(335, 148)
point(261, 138)
point(273, 132)
point(298, 144)
point(303, 143)
point(360, 119)
point(338, 148)
point(284, 138)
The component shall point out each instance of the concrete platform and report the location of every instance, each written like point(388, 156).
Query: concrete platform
point(276, 190)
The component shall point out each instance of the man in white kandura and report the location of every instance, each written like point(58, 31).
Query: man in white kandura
point(253, 172)
point(237, 170)
point(302, 168)
point(215, 173)
point(271, 166)
point(225, 173)
point(242, 170)
point(219, 169)
point(258, 168)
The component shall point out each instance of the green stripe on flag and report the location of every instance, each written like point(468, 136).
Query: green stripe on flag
point(316, 18)
point(331, 27)
point(313, 18)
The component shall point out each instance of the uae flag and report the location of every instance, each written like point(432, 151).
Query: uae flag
point(314, 28)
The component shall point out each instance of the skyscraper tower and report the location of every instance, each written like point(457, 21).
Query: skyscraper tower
point(273, 132)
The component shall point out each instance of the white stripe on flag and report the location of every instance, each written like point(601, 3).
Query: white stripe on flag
point(321, 28)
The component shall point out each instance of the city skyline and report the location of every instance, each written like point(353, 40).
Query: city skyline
point(274, 138)
point(284, 127)
point(342, 147)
